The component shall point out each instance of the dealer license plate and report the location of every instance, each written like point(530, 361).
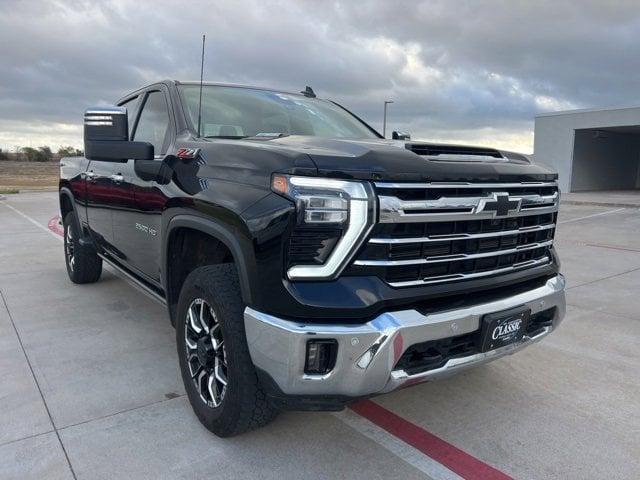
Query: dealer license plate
point(503, 328)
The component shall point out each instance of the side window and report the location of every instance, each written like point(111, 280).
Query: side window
point(132, 111)
point(153, 126)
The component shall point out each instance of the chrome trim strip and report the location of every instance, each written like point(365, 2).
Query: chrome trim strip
point(394, 210)
point(467, 276)
point(461, 236)
point(464, 185)
point(107, 124)
point(278, 346)
point(536, 200)
point(452, 258)
point(106, 111)
point(98, 117)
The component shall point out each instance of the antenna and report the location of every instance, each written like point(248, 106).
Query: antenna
point(201, 74)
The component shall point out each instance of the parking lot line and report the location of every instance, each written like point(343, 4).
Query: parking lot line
point(612, 247)
point(33, 221)
point(451, 457)
point(35, 379)
point(591, 216)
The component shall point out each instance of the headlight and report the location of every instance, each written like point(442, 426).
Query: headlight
point(336, 214)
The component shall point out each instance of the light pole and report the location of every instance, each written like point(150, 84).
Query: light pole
point(384, 121)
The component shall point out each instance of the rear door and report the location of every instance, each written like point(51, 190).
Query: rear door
point(137, 226)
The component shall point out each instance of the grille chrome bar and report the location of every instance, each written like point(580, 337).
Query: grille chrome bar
point(467, 276)
point(452, 258)
point(462, 236)
point(395, 210)
point(445, 232)
point(496, 186)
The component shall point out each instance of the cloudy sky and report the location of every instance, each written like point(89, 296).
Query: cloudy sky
point(459, 71)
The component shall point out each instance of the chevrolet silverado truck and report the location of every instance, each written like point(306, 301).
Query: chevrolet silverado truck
point(306, 261)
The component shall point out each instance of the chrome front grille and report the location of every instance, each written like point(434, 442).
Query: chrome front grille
point(443, 232)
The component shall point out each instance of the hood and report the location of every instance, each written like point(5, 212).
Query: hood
point(400, 160)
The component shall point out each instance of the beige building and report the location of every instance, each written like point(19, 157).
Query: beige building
point(596, 149)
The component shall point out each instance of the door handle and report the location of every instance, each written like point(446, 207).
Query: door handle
point(117, 178)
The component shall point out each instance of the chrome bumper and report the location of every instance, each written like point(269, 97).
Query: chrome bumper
point(367, 353)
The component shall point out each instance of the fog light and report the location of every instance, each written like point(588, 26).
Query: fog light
point(321, 356)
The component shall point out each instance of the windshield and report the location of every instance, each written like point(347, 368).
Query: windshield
point(236, 112)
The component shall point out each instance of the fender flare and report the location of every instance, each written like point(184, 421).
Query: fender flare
point(65, 192)
point(85, 235)
point(220, 232)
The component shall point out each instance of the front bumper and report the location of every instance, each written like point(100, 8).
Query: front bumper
point(368, 353)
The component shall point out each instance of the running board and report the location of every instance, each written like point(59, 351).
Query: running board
point(132, 280)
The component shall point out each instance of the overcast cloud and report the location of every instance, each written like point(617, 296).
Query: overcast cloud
point(458, 71)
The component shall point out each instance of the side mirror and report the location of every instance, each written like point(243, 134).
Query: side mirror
point(106, 136)
point(401, 136)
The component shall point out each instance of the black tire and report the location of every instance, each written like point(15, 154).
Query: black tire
point(244, 405)
point(83, 263)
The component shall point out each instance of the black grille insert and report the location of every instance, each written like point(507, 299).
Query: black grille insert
point(451, 252)
point(539, 320)
point(436, 353)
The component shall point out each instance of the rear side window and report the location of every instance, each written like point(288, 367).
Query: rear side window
point(153, 126)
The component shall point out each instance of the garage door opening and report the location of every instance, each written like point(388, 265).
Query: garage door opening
point(606, 159)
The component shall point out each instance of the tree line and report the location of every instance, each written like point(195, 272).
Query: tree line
point(40, 154)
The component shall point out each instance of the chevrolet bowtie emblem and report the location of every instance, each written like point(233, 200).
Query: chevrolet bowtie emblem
point(500, 204)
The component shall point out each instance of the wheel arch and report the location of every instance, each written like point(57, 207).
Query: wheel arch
point(217, 231)
point(68, 205)
point(66, 202)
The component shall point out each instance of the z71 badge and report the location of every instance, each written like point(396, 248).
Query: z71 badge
point(187, 153)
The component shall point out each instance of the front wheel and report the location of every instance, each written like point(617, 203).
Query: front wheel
point(215, 363)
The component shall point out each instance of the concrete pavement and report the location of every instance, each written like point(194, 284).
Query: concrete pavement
point(89, 384)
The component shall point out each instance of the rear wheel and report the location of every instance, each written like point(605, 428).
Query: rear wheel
point(83, 263)
point(215, 363)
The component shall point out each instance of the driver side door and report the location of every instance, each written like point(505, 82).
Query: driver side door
point(137, 222)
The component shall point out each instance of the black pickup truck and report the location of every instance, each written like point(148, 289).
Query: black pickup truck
point(305, 260)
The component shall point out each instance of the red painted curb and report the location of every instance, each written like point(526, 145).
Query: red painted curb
point(55, 227)
point(442, 452)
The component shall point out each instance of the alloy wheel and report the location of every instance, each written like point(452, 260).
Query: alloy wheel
point(206, 355)
point(68, 247)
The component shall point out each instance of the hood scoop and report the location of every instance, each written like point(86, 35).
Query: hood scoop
point(456, 153)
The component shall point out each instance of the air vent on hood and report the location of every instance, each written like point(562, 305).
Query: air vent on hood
point(455, 152)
